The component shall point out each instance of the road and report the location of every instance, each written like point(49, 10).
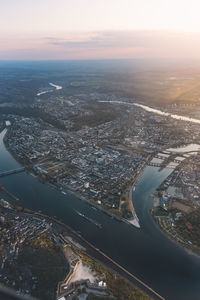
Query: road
point(102, 258)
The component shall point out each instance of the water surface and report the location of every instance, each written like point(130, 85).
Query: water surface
point(145, 252)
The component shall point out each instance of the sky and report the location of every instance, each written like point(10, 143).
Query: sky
point(95, 29)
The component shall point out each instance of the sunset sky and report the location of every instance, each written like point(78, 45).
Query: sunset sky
point(93, 29)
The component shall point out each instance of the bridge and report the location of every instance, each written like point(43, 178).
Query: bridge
point(10, 172)
point(160, 156)
point(169, 159)
point(160, 165)
point(154, 164)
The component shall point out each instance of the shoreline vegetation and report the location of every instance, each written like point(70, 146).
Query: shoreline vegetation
point(117, 285)
point(161, 220)
point(127, 196)
point(173, 239)
point(135, 221)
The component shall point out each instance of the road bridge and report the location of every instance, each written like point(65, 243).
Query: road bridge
point(10, 172)
point(154, 164)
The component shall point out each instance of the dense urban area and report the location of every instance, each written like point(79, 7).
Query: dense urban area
point(95, 144)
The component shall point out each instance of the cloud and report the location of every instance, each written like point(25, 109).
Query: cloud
point(123, 39)
point(151, 44)
point(102, 40)
point(104, 44)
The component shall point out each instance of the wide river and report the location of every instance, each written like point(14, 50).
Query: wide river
point(145, 252)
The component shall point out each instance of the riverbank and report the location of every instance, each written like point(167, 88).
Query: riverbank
point(66, 189)
point(127, 200)
point(129, 195)
point(167, 227)
point(16, 157)
point(87, 249)
point(156, 111)
point(142, 252)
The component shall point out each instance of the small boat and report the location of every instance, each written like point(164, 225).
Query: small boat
point(89, 219)
point(79, 213)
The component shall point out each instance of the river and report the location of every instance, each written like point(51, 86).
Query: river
point(146, 252)
point(57, 87)
point(156, 111)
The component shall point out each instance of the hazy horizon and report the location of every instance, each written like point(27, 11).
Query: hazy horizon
point(85, 30)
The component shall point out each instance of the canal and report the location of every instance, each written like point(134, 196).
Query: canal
point(146, 252)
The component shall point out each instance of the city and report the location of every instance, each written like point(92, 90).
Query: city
point(99, 150)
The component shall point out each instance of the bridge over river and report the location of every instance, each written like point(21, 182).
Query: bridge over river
point(10, 172)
